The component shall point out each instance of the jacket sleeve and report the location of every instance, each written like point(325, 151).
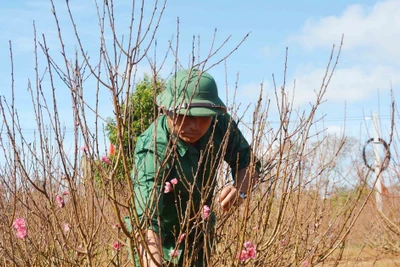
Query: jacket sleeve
point(238, 153)
point(147, 186)
point(237, 150)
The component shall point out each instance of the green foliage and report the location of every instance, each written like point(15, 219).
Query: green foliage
point(140, 113)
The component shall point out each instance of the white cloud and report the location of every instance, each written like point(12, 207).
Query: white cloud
point(353, 84)
point(371, 57)
point(248, 94)
point(376, 29)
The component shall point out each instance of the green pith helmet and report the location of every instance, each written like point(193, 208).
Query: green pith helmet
point(193, 93)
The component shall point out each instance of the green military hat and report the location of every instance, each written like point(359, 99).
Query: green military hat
point(193, 93)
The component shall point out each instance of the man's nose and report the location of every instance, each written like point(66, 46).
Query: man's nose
point(194, 124)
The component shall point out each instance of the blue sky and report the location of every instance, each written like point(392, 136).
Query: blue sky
point(368, 66)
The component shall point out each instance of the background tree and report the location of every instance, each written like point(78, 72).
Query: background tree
point(141, 111)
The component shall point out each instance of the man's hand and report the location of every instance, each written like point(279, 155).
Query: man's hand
point(229, 197)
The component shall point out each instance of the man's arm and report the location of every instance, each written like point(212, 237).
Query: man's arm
point(246, 177)
point(155, 250)
point(149, 201)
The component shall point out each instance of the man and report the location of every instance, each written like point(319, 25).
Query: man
point(176, 160)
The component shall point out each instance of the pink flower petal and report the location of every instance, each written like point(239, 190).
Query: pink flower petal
point(105, 159)
point(206, 212)
point(181, 237)
point(251, 253)
point(66, 227)
point(21, 233)
point(60, 201)
point(174, 253)
point(18, 223)
point(174, 181)
point(167, 187)
point(248, 253)
point(117, 245)
point(243, 255)
point(248, 244)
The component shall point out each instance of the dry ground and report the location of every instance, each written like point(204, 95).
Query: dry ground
point(363, 257)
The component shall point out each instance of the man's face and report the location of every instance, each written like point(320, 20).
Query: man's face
point(189, 128)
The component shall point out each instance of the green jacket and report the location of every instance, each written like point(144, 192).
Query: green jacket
point(161, 157)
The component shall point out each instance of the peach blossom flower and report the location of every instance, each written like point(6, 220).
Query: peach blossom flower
point(248, 244)
point(243, 255)
point(21, 233)
point(251, 253)
point(248, 253)
point(117, 245)
point(84, 149)
point(105, 159)
point(65, 193)
point(206, 212)
point(174, 253)
point(174, 181)
point(66, 227)
point(167, 187)
point(60, 201)
point(20, 225)
point(181, 237)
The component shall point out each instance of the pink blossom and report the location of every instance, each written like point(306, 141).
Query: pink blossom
point(115, 226)
point(248, 244)
point(251, 253)
point(21, 233)
point(84, 149)
point(19, 223)
point(66, 227)
point(181, 237)
point(167, 187)
point(20, 226)
point(206, 212)
point(117, 245)
point(65, 193)
point(60, 201)
point(305, 263)
point(243, 255)
point(174, 181)
point(105, 159)
point(174, 253)
point(248, 253)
